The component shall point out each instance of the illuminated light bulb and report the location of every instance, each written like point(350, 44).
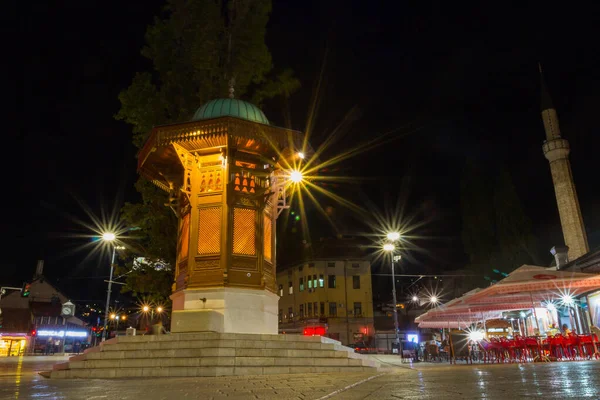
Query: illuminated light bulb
point(388, 247)
point(145, 308)
point(433, 299)
point(393, 236)
point(551, 307)
point(415, 298)
point(296, 176)
point(567, 300)
point(109, 236)
point(159, 309)
point(301, 155)
point(476, 336)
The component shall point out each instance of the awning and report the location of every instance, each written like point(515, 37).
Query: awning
point(525, 288)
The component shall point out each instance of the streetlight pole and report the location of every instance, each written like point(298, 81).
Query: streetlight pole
point(390, 247)
point(395, 305)
point(112, 263)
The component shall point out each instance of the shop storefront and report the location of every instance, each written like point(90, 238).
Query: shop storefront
point(13, 344)
point(58, 339)
point(593, 302)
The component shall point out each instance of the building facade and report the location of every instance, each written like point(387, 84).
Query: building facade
point(330, 291)
point(37, 324)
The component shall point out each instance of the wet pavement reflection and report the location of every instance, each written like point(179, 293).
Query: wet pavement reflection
point(573, 380)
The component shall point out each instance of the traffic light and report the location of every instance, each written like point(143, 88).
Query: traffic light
point(33, 332)
point(25, 291)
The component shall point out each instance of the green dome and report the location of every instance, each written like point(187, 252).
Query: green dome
point(230, 108)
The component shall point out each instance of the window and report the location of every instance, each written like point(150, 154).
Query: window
point(301, 311)
point(244, 231)
point(355, 282)
point(355, 265)
point(333, 309)
point(357, 309)
point(322, 308)
point(316, 307)
point(280, 290)
point(302, 284)
point(321, 280)
point(291, 312)
point(300, 268)
point(315, 281)
point(331, 265)
point(311, 265)
point(331, 282)
point(267, 237)
point(280, 315)
point(309, 283)
point(290, 288)
point(309, 309)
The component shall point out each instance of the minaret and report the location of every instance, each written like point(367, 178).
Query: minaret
point(556, 149)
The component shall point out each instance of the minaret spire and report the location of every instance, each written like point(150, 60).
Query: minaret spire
point(556, 150)
point(545, 99)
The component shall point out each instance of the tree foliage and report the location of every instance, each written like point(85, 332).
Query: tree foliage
point(496, 231)
point(196, 50)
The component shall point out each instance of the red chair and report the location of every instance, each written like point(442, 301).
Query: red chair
point(587, 345)
point(573, 346)
point(498, 349)
point(520, 348)
point(534, 349)
point(509, 348)
point(489, 351)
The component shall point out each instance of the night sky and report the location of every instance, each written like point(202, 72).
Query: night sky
point(455, 83)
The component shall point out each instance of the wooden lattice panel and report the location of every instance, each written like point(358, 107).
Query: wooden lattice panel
point(244, 231)
point(209, 230)
point(184, 237)
point(267, 228)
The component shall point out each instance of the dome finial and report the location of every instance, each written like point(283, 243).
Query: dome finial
point(231, 88)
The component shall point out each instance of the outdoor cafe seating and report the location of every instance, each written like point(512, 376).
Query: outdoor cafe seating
point(519, 319)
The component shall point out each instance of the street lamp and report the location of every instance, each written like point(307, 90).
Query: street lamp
point(389, 247)
point(109, 237)
point(296, 176)
point(393, 236)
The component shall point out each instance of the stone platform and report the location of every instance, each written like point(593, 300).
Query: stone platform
point(212, 354)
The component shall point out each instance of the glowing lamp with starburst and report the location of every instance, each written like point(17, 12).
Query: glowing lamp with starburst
point(228, 172)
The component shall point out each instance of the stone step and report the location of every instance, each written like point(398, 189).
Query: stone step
point(102, 373)
point(216, 362)
point(216, 343)
point(213, 352)
point(225, 336)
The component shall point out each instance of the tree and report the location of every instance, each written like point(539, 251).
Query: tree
point(196, 51)
point(496, 231)
point(513, 228)
point(478, 233)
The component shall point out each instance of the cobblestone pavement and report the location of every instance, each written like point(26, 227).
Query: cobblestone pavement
point(572, 380)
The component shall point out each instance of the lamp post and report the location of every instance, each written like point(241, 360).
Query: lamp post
point(109, 237)
point(389, 247)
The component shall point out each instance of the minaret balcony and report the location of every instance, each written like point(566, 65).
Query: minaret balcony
point(556, 149)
